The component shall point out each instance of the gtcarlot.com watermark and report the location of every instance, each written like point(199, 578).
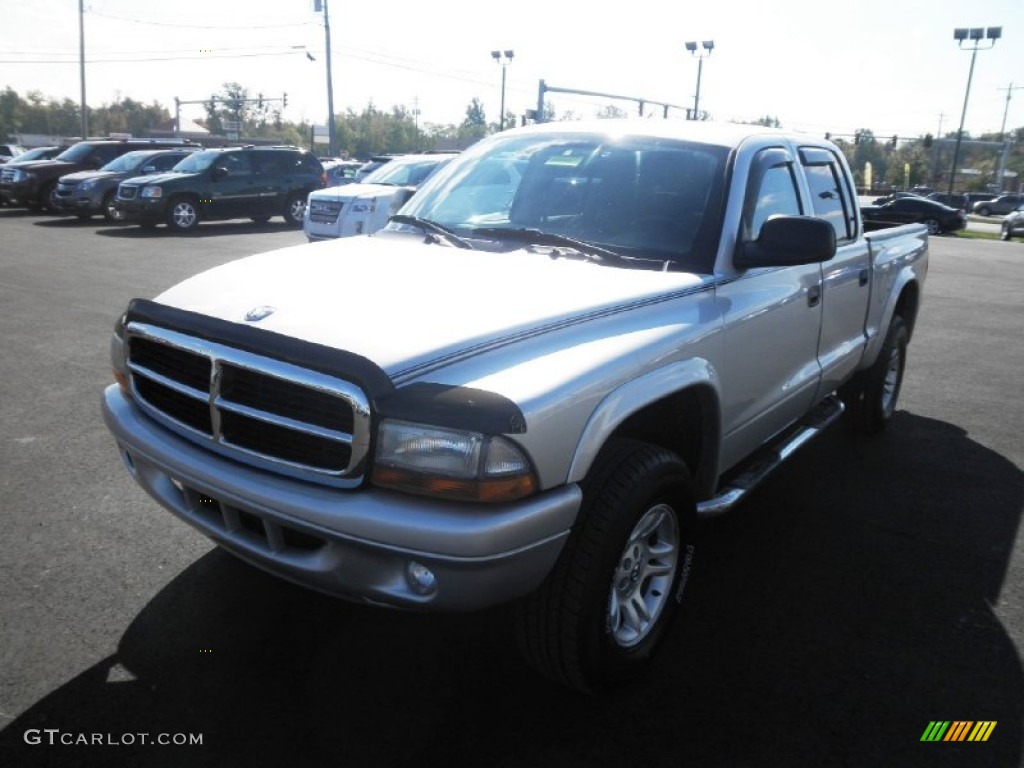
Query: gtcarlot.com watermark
point(55, 736)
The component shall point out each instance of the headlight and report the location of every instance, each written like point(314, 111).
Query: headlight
point(85, 186)
point(118, 355)
point(364, 206)
point(152, 192)
point(450, 463)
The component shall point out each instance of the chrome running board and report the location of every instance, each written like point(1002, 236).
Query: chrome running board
point(765, 461)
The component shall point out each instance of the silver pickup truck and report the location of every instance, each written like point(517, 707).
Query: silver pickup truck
point(573, 342)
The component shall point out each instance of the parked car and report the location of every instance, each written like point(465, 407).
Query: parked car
point(937, 217)
point(366, 206)
point(1013, 224)
point(893, 196)
point(228, 183)
point(999, 206)
point(87, 193)
point(970, 198)
point(9, 152)
point(32, 184)
point(38, 153)
point(955, 200)
point(340, 172)
point(372, 165)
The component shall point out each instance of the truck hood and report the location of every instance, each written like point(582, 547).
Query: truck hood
point(158, 178)
point(408, 305)
point(81, 176)
point(348, 192)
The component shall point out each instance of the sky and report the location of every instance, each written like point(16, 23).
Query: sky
point(891, 66)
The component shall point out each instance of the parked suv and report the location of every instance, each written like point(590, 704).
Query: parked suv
point(9, 152)
point(364, 207)
point(32, 184)
point(229, 183)
point(1000, 206)
point(87, 193)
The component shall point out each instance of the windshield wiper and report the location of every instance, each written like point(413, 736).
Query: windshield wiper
point(431, 228)
point(537, 237)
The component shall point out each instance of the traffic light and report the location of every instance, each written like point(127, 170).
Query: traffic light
point(828, 136)
point(856, 138)
point(892, 142)
point(284, 100)
point(928, 140)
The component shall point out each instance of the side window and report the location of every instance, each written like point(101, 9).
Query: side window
point(236, 164)
point(165, 162)
point(771, 191)
point(104, 154)
point(830, 196)
point(271, 163)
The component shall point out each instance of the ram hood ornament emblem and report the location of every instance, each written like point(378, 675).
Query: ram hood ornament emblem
point(258, 313)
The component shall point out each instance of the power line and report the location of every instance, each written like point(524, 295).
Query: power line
point(223, 28)
point(155, 58)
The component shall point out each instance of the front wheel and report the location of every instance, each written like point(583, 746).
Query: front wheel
point(599, 616)
point(110, 211)
point(183, 214)
point(295, 210)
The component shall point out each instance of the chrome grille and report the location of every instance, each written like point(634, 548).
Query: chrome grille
point(254, 409)
point(7, 175)
point(324, 211)
point(65, 190)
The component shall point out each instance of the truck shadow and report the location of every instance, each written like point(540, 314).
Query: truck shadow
point(852, 599)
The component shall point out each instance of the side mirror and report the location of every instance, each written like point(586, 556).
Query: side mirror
point(149, 169)
point(787, 241)
point(220, 173)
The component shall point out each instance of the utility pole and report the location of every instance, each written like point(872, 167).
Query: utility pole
point(976, 35)
point(81, 67)
point(332, 142)
point(1002, 135)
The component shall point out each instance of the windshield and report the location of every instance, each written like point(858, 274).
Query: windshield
point(127, 162)
point(38, 153)
point(638, 196)
point(197, 162)
point(75, 154)
point(404, 173)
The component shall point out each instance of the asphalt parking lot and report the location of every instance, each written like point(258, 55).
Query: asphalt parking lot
point(868, 588)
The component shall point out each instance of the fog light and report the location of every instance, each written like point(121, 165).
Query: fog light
point(420, 578)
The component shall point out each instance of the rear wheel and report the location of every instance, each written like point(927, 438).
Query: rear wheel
point(984, 211)
point(606, 605)
point(933, 226)
point(294, 210)
point(1004, 232)
point(183, 214)
point(871, 398)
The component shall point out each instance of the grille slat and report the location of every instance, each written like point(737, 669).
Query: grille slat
point(254, 409)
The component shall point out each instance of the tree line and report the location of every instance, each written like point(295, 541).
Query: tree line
point(894, 161)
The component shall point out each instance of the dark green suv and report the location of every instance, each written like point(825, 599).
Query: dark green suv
point(229, 183)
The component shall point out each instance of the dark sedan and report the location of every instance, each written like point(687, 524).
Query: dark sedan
point(937, 217)
point(1013, 224)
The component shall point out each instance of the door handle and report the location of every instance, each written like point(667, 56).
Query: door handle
point(814, 295)
point(862, 277)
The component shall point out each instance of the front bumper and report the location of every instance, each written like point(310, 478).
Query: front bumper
point(359, 545)
point(141, 209)
point(18, 193)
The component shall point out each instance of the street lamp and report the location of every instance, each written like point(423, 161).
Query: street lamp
point(975, 35)
point(708, 46)
point(504, 58)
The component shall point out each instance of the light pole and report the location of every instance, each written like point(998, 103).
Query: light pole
point(81, 68)
point(1002, 135)
point(504, 58)
point(975, 35)
point(707, 46)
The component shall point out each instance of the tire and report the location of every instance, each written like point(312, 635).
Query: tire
point(183, 214)
point(1004, 231)
point(871, 398)
point(47, 198)
point(110, 213)
point(294, 210)
point(934, 228)
point(600, 614)
point(984, 211)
